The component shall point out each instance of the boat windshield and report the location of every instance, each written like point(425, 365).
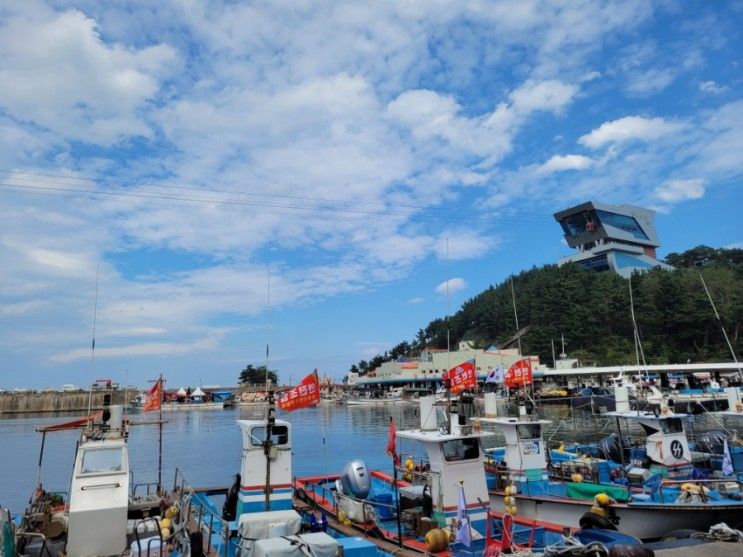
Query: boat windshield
point(101, 461)
point(529, 431)
point(280, 435)
point(461, 449)
point(672, 425)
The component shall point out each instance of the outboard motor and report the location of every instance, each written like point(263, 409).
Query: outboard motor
point(355, 479)
point(710, 442)
point(229, 509)
point(611, 448)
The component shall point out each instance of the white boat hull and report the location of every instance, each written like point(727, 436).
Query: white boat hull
point(641, 521)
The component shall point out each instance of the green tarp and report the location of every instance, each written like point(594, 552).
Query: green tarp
point(589, 490)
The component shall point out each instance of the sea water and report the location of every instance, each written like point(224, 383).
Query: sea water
point(206, 445)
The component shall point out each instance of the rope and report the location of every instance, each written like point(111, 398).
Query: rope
point(572, 547)
point(720, 533)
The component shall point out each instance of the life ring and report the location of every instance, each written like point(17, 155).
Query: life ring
point(590, 521)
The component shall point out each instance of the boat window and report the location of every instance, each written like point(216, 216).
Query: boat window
point(461, 449)
point(280, 435)
point(672, 425)
point(529, 431)
point(101, 461)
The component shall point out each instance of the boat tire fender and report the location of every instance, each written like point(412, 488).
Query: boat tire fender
point(591, 520)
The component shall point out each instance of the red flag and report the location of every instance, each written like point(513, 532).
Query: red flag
point(304, 395)
point(519, 374)
point(391, 442)
point(462, 377)
point(154, 397)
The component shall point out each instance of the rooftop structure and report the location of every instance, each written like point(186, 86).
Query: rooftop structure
point(606, 237)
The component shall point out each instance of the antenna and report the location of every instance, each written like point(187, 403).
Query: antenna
point(92, 345)
point(268, 319)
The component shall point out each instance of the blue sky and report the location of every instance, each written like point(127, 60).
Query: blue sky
point(190, 154)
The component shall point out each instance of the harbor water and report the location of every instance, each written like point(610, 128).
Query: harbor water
point(206, 445)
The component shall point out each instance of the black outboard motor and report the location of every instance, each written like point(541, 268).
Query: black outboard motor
point(611, 448)
point(710, 442)
point(229, 509)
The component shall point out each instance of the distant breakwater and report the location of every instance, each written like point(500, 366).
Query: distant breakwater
point(39, 403)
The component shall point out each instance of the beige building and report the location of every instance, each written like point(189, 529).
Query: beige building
point(433, 362)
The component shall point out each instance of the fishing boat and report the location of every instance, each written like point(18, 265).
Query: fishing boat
point(258, 515)
point(105, 512)
point(434, 492)
point(645, 496)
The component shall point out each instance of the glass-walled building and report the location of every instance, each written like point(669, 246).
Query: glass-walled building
point(606, 237)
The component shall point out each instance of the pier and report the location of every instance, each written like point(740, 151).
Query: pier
point(77, 401)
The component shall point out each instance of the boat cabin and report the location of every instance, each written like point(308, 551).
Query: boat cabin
point(266, 460)
point(453, 460)
point(666, 443)
point(99, 491)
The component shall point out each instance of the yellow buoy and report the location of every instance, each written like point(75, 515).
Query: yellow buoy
point(165, 523)
point(577, 478)
point(598, 511)
point(436, 540)
point(602, 499)
point(165, 532)
point(409, 464)
point(172, 512)
point(341, 516)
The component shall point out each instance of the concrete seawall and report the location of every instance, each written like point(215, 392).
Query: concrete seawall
point(37, 403)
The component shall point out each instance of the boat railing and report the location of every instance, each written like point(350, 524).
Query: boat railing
point(697, 486)
point(203, 516)
point(150, 540)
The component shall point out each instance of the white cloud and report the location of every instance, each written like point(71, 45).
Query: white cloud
point(712, 87)
point(551, 95)
point(565, 162)
point(416, 300)
point(627, 129)
point(675, 191)
point(650, 81)
point(454, 285)
point(58, 74)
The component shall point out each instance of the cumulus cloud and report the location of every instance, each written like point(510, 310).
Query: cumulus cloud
point(628, 129)
point(454, 285)
point(416, 300)
point(61, 76)
point(565, 162)
point(675, 191)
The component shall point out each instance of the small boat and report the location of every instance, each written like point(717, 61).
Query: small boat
point(645, 502)
point(424, 501)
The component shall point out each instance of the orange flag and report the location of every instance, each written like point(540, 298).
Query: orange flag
point(306, 394)
point(154, 397)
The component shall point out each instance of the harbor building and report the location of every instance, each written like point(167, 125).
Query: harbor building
point(425, 371)
point(621, 238)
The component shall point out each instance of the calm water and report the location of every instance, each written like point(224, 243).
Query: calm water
point(206, 445)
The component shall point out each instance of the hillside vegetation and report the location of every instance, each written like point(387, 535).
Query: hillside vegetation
point(592, 310)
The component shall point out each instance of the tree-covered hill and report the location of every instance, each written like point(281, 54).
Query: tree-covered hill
point(592, 310)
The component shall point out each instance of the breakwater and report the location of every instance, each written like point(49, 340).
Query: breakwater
point(38, 403)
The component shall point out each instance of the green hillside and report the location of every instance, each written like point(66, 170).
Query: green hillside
point(592, 310)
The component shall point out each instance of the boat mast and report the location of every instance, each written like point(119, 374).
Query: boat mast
point(271, 409)
point(638, 344)
point(448, 346)
point(724, 333)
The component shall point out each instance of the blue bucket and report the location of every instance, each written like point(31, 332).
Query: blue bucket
point(383, 505)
